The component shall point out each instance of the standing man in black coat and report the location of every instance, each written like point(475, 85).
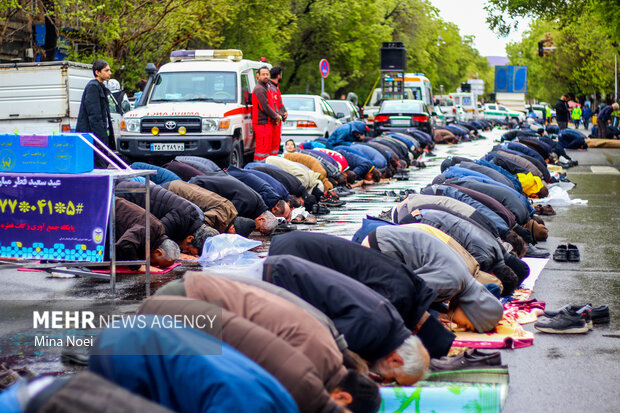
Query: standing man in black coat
point(561, 111)
point(94, 115)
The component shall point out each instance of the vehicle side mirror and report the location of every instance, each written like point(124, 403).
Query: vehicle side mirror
point(247, 98)
point(340, 115)
point(433, 113)
point(125, 106)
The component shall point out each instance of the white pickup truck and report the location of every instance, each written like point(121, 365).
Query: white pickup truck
point(198, 104)
point(500, 113)
point(44, 98)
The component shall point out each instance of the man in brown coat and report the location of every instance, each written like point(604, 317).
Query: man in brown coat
point(219, 212)
point(288, 365)
point(284, 319)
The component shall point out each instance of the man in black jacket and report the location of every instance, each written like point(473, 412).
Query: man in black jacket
point(371, 325)
point(561, 111)
point(182, 220)
point(401, 286)
point(248, 202)
point(94, 115)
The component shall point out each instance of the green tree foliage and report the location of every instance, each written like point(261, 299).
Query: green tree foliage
point(582, 63)
point(605, 13)
point(293, 33)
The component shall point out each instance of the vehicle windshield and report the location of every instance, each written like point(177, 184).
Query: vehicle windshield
point(391, 106)
point(416, 92)
point(305, 104)
point(195, 86)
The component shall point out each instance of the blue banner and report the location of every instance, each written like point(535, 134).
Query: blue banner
point(510, 79)
point(55, 217)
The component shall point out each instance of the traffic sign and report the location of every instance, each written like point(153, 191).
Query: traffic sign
point(324, 67)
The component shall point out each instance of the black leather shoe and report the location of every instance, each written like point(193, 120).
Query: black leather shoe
point(283, 228)
point(318, 209)
point(471, 359)
point(561, 253)
point(572, 253)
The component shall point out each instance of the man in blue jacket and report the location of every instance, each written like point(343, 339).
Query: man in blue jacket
point(347, 133)
point(172, 367)
point(274, 201)
point(603, 118)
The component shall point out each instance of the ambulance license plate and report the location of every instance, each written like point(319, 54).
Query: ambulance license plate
point(167, 147)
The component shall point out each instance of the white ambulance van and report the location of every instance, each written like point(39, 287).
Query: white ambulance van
point(198, 104)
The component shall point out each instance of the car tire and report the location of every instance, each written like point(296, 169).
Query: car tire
point(234, 158)
point(236, 155)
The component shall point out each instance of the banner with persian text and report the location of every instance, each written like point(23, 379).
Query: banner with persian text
point(54, 217)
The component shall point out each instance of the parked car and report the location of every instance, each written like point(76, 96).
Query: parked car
point(345, 110)
point(443, 118)
point(500, 113)
point(309, 117)
point(400, 115)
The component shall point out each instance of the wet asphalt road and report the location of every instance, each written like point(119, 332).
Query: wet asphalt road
point(559, 373)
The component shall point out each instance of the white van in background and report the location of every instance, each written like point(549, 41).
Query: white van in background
point(44, 98)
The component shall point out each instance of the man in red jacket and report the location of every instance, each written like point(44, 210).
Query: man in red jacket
point(263, 114)
point(274, 86)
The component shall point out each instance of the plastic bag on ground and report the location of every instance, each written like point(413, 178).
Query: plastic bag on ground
point(559, 197)
point(223, 245)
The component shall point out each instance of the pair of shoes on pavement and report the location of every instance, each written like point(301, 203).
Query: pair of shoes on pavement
point(299, 219)
point(564, 253)
point(534, 252)
point(319, 209)
point(283, 227)
point(470, 359)
point(544, 209)
point(572, 319)
point(343, 191)
point(598, 315)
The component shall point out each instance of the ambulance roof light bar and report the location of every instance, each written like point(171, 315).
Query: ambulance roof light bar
point(203, 54)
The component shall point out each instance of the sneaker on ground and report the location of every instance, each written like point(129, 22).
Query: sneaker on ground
point(599, 314)
point(342, 191)
point(562, 323)
point(332, 202)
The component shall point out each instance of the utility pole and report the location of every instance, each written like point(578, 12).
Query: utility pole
point(615, 45)
point(616, 74)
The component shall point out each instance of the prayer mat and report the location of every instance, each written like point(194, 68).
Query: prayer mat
point(119, 270)
point(603, 143)
point(125, 270)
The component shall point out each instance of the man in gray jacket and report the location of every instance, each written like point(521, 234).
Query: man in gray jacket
point(471, 305)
